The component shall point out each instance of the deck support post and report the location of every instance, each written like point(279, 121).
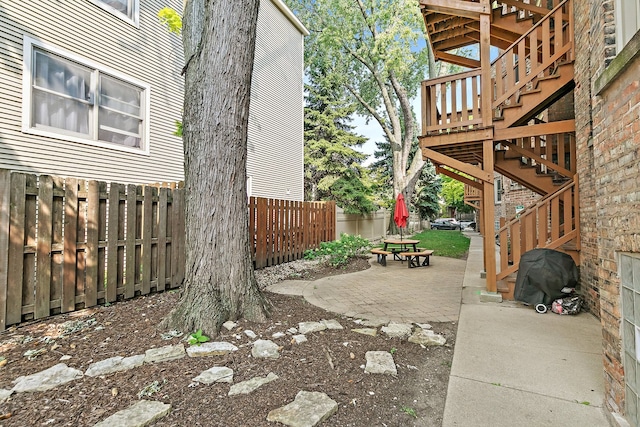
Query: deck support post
point(488, 217)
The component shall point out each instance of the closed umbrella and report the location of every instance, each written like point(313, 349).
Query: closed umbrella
point(401, 214)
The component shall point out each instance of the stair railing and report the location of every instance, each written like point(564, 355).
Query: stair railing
point(552, 153)
point(534, 54)
point(549, 223)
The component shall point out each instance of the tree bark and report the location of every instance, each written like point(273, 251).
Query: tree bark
point(220, 285)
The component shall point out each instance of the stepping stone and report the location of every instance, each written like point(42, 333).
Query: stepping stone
point(246, 387)
point(265, 349)
point(114, 364)
point(250, 334)
point(371, 323)
point(307, 410)
point(164, 354)
point(211, 349)
point(277, 335)
point(292, 331)
point(424, 325)
point(47, 379)
point(397, 330)
point(139, 414)
point(427, 337)
point(4, 394)
point(229, 325)
point(217, 374)
point(299, 339)
point(332, 324)
point(311, 327)
point(380, 362)
point(366, 331)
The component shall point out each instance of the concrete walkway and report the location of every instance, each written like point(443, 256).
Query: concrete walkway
point(515, 367)
point(511, 366)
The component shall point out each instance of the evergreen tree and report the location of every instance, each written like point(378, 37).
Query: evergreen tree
point(331, 161)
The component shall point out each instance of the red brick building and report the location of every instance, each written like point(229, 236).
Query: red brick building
point(607, 112)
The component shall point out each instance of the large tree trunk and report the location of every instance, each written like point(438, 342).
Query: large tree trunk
point(219, 40)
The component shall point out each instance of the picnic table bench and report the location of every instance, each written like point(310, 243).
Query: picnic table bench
point(382, 255)
point(413, 258)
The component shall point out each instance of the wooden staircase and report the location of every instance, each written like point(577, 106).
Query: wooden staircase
point(505, 107)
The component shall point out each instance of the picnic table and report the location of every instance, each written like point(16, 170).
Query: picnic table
point(396, 246)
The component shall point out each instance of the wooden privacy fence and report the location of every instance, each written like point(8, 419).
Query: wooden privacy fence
point(68, 244)
point(283, 229)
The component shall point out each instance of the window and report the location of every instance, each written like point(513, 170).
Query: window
point(629, 265)
point(67, 96)
point(497, 190)
point(127, 10)
point(627, 21)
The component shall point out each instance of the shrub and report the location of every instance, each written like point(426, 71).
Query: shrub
point(339, 252)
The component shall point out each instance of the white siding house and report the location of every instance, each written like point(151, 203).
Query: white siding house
point(275, 161)
point(92, 89)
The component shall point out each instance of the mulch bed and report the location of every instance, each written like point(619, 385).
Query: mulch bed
point(415, 397)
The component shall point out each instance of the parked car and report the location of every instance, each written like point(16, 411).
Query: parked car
point(464, 225)
point(444, 224)
point(451, 220)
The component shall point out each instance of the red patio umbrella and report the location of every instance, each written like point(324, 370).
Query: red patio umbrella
point(400, 214)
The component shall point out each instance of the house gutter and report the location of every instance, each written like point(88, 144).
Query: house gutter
point(290, 16)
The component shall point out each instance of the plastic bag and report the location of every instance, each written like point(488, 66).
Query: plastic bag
point(568, 305)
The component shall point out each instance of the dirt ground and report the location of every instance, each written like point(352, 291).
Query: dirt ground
point(332, 362)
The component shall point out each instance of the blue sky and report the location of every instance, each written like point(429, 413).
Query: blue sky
point(373, 132)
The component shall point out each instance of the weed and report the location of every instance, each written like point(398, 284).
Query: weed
point(197, 338)
point(409, 411)
point(584, 403)
point(393, 350)
point(497, 384)
point(151, 389)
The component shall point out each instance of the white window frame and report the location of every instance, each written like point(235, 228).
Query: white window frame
point(498, 191)
point(28, 53)
point(623, 33)
point(135, 13)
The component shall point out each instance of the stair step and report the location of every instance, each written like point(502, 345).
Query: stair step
point(514, 105)
point(550, 77)
point(530, 92)
point(506, 287)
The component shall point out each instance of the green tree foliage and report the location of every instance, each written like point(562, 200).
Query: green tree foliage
point(369, 49)
point(453, 194)
point(331, 162)
point(426, 198)
point(171, 18)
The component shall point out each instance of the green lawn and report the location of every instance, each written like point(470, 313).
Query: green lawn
point(449, 243)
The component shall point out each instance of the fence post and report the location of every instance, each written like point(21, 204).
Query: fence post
point(112, 242)
point(147, 229)
point(161, 274)
point(91, 259)
point(43, 273)
point(130, 243)
point(5, 191)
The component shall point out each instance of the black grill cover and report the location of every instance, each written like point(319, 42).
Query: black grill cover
point(542, 275)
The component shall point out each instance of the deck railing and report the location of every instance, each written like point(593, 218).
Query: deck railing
point(550, 223)
point(451, 102)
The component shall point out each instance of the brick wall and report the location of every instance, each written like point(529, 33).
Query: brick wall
point(608, 148)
